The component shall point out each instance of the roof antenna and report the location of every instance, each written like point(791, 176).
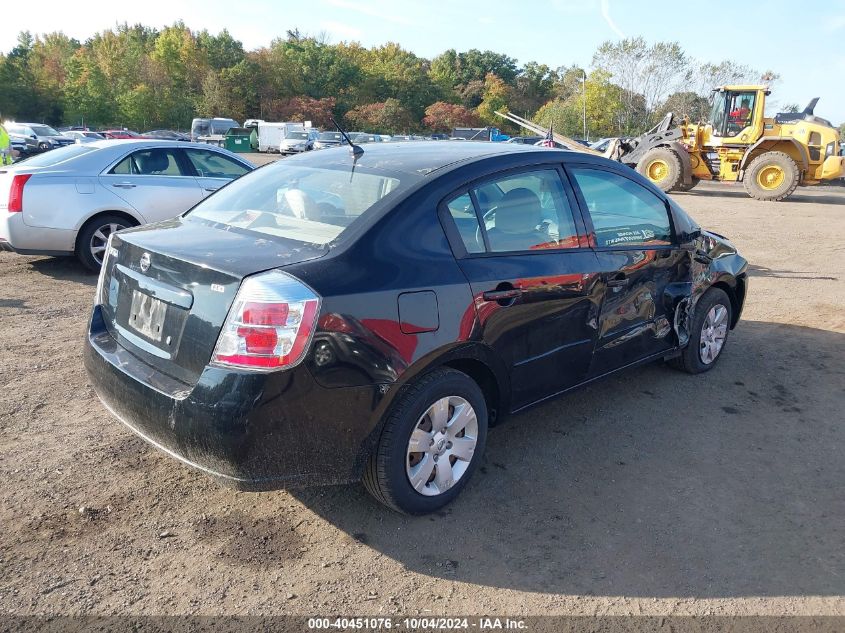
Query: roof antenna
point(355, 150)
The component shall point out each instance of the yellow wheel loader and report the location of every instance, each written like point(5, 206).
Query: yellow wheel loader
point(771, 156)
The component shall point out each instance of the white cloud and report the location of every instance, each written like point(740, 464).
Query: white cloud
point(605, 13)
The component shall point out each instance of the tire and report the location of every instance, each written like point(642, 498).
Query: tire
point(682, 186)
point(662, 167)
point(771, 176)
point(388, 474)
point(88, 235)
point(693, 359)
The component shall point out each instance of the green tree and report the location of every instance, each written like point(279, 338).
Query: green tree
point(644, 71)
point(685, 104)
point(221, 50)
point(496, 96)
point(605, 107)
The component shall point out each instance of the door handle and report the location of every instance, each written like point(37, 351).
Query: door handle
point(123, 185)
point(211, 188)
point(502, 295)
point(619, 281)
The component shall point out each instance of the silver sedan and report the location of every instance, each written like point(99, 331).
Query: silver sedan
point(68, 201)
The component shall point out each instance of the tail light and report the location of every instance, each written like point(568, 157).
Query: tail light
point(270, 323)
point(16, 192)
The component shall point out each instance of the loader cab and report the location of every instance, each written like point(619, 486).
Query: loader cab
point(737, 114)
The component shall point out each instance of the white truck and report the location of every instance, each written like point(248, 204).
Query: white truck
point(271, 135)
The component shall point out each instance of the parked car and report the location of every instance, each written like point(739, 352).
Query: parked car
point(329, 139)
point(80, 136)
point(120, 134)
point(46, 137)
point(168, 135)
point(272, 340)
point(525, 140)
point(68, 201)
point(296, 141)
point(25, 145)
point(364, 137)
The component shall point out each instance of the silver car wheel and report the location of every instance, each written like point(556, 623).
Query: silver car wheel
point(714, 331)
point(441, 446)
point(100, 239)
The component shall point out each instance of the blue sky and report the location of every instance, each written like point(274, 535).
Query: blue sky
point(804, 42)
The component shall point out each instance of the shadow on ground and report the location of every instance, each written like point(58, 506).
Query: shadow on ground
point(763, 271)
point(831, 196)
point(65, 268)
point(651, 483)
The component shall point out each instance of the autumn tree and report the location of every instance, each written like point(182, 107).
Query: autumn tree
point(444, 117)
point(389, 117)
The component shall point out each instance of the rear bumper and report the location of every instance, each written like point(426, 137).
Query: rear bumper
point(29, 240)
point(248, 431)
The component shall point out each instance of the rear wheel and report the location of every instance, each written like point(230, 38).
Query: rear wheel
point(94, 236)
point(431, 444)
point(663, 167)
point(709, 330)
point(771, 176)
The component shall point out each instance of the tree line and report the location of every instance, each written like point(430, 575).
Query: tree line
point(145, 78)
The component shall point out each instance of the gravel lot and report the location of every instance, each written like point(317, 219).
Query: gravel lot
point(652, 492)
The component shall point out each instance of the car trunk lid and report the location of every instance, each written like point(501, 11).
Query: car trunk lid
point(167, 288)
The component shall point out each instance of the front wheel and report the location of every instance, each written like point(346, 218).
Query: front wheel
point(662, 167)
point(430, 445)
point(711, 324)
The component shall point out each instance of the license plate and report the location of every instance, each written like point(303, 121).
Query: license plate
point(146, 315)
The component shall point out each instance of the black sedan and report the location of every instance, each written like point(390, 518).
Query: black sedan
point(337, 316)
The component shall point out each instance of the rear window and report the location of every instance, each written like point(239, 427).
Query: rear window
point(307, 204)
point(56, 156)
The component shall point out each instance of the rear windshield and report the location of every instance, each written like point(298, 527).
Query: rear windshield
point(307, 204)
point(331, 136)
point(56, 156)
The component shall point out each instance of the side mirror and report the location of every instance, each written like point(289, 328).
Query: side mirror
point(687, 239)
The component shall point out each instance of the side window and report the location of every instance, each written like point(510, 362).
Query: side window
point(623, 212)
point(125, 167)
point(214, 165)
point(150, 162)
point(527, 211)
point(463, 213)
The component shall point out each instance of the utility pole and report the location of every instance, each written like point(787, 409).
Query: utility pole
point(584, 94)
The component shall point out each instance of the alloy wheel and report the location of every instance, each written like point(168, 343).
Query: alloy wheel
point(100, 239)
point(714, 331)
point(441, 446)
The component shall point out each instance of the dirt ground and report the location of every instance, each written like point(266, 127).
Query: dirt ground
point(653, 492)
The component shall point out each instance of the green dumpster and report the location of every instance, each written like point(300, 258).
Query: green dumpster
point(237, 140)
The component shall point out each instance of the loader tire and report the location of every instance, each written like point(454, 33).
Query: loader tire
point(662, 167)
point(771, 176)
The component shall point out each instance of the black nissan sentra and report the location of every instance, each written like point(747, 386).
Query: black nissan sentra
point(335, 317)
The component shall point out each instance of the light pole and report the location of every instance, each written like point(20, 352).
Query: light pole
point(584, 94)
